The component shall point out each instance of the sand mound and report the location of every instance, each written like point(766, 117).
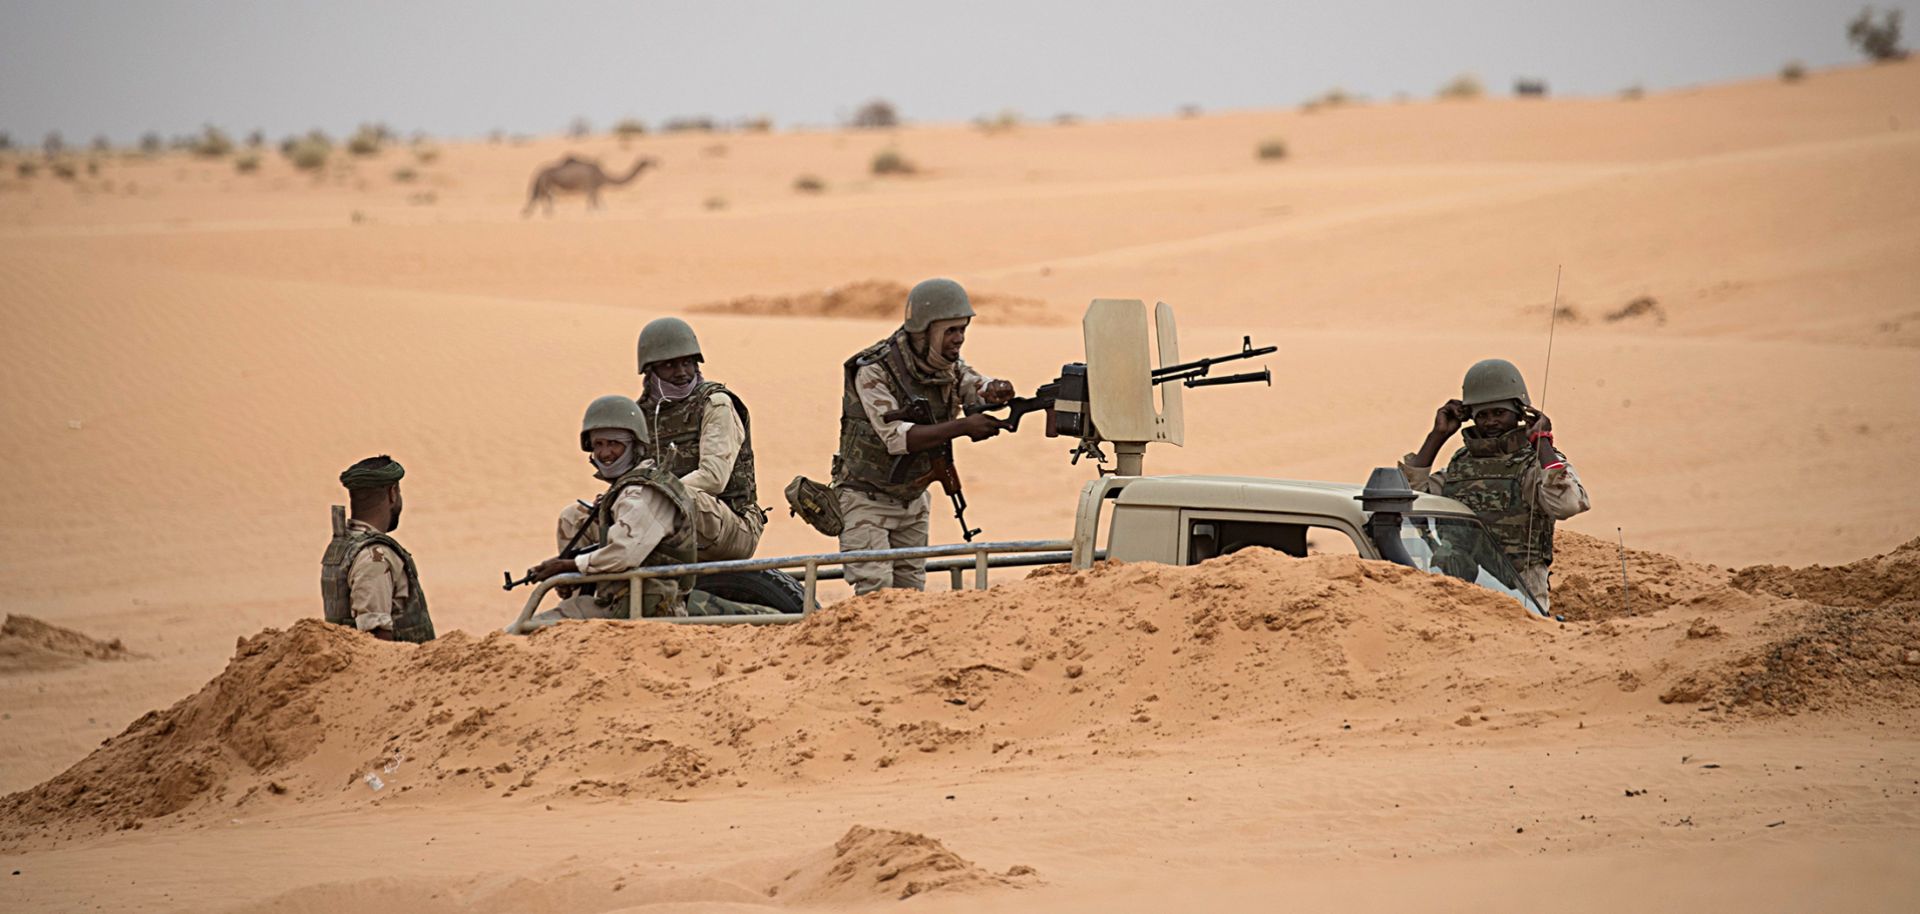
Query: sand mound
point(879, 299)
point(1877, 581)
point(30, 645)
point(1587, 585)
point(869, 863)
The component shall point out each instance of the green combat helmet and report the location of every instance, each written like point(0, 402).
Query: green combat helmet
point(936, 300)
point(664, 339)
point(613, 411)
point(1494, 382)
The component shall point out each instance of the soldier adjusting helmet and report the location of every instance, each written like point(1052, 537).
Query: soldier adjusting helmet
point(936, 300)
point(664, 339)
point(613, 411)
point(1494, 382)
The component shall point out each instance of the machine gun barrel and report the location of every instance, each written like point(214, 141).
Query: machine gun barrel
point(1264, 375)
point(1198, 368)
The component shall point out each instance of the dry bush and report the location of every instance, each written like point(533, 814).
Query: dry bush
point(1066, 119)
point(1271, 150)
point(1879, 40)
point(426, 155)
point(152, 144)
point(364, 142)
point(700, 123)
point(715, 202)
point(1634, 92)
point(809, 184)
point(1007, 120)
point(891, 162)
point(1793, 72)
point(26, 168)
point(1526, 87)
point(761, 124)
point(405, 174)
point(6, 140)
point(1464, 86)
point(256, 139)
point(53, 144)
point(310, 152)
point(64, 169)
point(1335, 97)
point(212, 143)
point(876, 114)
point(246, 163)
point(102, 144)
point(628, 128)
point(580, 128)
point(1189, 110)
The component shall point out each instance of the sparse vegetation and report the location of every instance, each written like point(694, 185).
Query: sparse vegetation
point(1335, 97)
point(1189, 110)
point(53, 144)
point(1793, 72)
point(1634, 92)
point(212, 143)
point(876, 114)
point(1878, 39)
point(1066, 119)
point(405, 174)
point(64, 169)
point(308, 153)
point(102, 144)
point(580, 128)
point(714, 150)
point(6, 141)
point(369, 139)
point(891, 162)
point(26, 168)
point(152, 144)
point(701, 123)
point(629, 128)
point(257, 139)
point(1525, 87)
point(761, 124)
point(1271, 150)
point(1007, 120)
point(809, 184)
point(247, 163)
point(1464, 86)
point(426, 155)
point(93, 168)
point(715, 202)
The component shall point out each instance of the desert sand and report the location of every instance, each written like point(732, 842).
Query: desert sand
point(191, 355)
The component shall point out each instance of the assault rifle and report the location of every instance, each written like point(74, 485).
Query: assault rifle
point(941, 469)
point(573, 549)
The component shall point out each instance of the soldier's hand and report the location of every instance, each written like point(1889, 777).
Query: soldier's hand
point(979, 426)
point(551, 567)
point(1449, 417)
point(1537, 423)
point(998, 392)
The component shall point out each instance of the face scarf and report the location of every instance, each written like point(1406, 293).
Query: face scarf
point(665, 391)
point(620, 467)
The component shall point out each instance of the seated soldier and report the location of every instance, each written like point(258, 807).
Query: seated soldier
point(702, 433)
point(645, 517)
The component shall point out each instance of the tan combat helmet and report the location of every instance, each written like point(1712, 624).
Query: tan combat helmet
point(664, 339)
point(936, 300)
point(613, 411)
point(1494, 382)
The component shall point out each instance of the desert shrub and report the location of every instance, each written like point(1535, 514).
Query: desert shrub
point(6, 140)
point(1879, 40)
point(93, 168)
point(247, 163)
point(405, 174)
point(368, 140)
point(102, 144)
point(809, 184)
point(1793, 72)
point(580, 128)
point(496, 136)
point(53, 144)
point(1634, 92)
point(26, 168)
point(1271, 150)
point(1188, 110)
point(891, 162)
point(1335, 97)
point(714, 150)
point(701, 124)
point(152, 144)
point(1464, 86)
point(761, 124)
point(426, 155)
point(423, 198)
point(63, 169)
point(1530, 88)
point(715, 203)
point(1066, 119)
point(213, 143)
point(256, 139)
point(629, 128)
point(878, 113)
point(1006, 120)
point(310, 152)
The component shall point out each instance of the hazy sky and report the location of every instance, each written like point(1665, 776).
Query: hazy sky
point(465, 67)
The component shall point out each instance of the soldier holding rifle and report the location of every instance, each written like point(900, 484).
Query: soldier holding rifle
point(906, 396)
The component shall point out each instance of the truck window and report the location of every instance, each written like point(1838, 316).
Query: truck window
point(1210, 538)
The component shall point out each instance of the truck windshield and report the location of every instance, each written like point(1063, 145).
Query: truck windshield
point(1460, 547)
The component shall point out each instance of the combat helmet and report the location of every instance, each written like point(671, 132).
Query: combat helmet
point(613, 411)
point(664, 339)
point(936, 300)
point(1494, 382)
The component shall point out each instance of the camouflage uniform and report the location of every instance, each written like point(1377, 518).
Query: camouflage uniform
point(643, 519)
point(877, 514)
point(706, 439)
point(1502, 481)
point(369, 582)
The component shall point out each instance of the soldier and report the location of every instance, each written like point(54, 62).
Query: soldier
point(1509, 471)
point(921, 359)
point(646, 517)
point(366, 579)
point(702, 433)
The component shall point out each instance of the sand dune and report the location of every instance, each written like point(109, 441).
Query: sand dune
point(191, 356)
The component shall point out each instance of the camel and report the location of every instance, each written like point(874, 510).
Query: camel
point(577, 175)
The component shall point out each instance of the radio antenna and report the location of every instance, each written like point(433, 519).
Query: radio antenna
point(1553, 317)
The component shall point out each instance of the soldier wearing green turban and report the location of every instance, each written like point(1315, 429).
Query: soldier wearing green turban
point(1508, 469)
point(367, 580)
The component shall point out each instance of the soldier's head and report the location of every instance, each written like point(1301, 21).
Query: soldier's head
point(373, 491)
point(1495, 396)
point(938, 312)
point(614, 434)
point(669, 354)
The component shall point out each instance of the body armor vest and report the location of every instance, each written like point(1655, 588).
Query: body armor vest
point(658, 596)
point(410, 622)
point(1497, 478)
point(675, 426)
point(864, 462)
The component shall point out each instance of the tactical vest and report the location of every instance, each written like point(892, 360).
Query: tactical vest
point(864, 462)
point(410, 622)
point(675, 426)
point(1497, 478)
point(658, 596)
